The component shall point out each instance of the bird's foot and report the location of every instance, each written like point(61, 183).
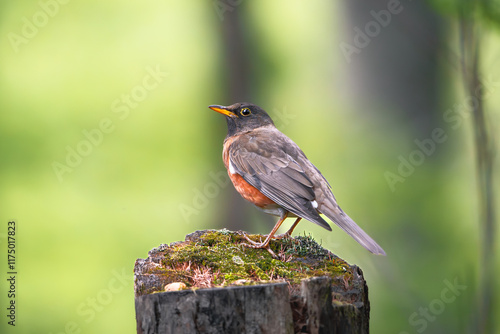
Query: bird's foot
point(258, 245)
point(247, 238)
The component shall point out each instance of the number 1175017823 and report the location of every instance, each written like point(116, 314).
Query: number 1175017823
point(11, 245)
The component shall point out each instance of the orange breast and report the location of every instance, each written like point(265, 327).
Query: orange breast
point(249, 192)
point(246, 190)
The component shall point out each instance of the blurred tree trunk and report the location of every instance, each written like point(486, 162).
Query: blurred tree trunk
point(470, 38)
point(238, 78)
point(398, 64)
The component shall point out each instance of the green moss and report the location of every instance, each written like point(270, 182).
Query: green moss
point(217, 258)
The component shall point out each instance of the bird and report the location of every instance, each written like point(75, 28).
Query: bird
point(269, 170)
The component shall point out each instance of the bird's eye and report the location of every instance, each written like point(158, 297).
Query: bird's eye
point(245, 112)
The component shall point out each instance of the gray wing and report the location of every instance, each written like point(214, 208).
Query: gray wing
point(272, 163)
point(267, 164)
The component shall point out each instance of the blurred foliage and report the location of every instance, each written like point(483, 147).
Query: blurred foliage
point(487, 11)
point(80, 232)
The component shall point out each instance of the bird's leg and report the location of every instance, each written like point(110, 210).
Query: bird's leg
point(289, 232)
point(266, 242)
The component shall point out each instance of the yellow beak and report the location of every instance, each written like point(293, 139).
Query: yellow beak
point(222, 110)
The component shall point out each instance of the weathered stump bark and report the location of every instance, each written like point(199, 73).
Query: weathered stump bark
point(236, 309)
point(228, 288)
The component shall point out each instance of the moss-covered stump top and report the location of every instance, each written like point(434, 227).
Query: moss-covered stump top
point(216, 258)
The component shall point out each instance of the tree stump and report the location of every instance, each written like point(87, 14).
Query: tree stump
point(211, 284)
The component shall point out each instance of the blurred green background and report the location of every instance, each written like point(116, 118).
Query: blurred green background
point(108, 148)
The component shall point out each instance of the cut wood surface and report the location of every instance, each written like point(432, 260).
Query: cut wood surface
point(209, 283)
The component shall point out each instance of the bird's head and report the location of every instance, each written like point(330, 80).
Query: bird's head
point(243, 117)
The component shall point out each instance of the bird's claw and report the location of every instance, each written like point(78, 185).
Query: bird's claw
point(247, 238)
point(257, 245)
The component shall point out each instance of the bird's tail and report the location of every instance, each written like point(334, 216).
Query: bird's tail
point(340, 218)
